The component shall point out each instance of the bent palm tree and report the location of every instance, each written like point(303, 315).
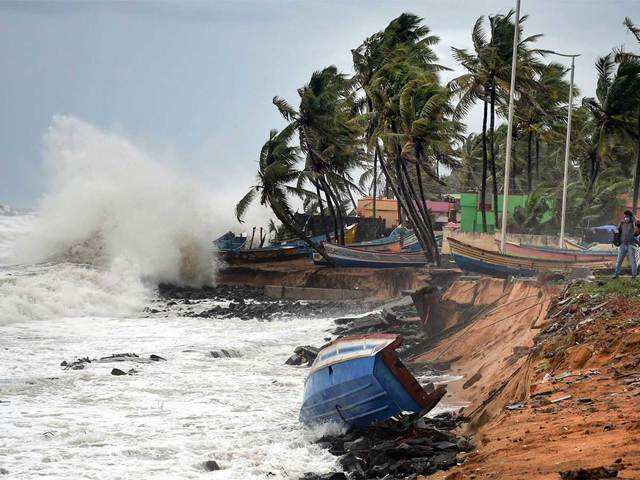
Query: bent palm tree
point(276, 170)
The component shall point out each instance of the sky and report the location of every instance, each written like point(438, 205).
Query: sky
point(192, 82)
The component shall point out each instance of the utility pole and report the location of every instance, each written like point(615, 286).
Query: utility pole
point(567, 148)
point(507, 165)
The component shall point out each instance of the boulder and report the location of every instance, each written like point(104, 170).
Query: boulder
point(117, 371)
point(211, 465)
point(225, 353)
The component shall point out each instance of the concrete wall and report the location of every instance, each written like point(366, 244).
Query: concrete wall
point(305, 293)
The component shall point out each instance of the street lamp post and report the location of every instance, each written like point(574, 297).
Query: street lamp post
point(567, 147)
point(507, 165)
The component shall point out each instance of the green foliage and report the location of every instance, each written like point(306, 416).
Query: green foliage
point(627, 287)
point(395, 113)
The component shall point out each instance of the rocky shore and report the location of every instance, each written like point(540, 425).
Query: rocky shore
point(246, 303)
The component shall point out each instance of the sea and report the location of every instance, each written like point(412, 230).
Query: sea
point(76, 275)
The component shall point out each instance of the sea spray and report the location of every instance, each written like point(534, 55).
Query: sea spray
point(110, 201)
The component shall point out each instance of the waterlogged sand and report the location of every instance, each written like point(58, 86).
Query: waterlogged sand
point(164, 421)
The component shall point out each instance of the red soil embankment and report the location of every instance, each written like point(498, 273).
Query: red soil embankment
point(494, 344)
point(571, 402)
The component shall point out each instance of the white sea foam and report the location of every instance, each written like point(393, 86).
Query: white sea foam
point(164, 421)
point(110, 201)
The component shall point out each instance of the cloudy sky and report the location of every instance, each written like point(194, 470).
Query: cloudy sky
point(192, 82)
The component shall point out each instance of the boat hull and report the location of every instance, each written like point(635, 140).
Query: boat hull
point(358, 389)
point(550, 253)
point(352, 258)
point(474, 259)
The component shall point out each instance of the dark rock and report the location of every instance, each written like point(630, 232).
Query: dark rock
point(117, 371)
point(444, 445)
point(307, 352)
point(590, 473)
point(157, 358)
point(4, 471)
point(444, 460)
point(294, 359)
point(224, 353)
point(464, 445)
point(64, 363)
point(358, 444)
point(211, 466)
point(326, 476)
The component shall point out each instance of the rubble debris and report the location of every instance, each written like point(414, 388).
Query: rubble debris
point(590, 473)
point(398, 448)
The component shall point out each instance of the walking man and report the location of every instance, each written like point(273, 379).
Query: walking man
point(626, 240)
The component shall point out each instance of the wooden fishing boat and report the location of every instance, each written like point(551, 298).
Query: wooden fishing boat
point(267, 254)
point(229, 242)
point(554, 253)
point(359, 380)
point(474, 259)
point(354, 257)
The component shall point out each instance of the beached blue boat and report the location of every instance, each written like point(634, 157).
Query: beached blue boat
point(229, 242)
point(359, 380)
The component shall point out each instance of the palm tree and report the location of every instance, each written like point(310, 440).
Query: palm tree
point(276, 172)
point(488, 80)
point(469, 155)
point(329, 137)
point(615, 100)
point(399, 55)
point(629, 62)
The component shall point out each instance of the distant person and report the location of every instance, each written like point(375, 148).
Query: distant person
point(625, 240)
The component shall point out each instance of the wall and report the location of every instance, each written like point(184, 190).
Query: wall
point(471, 217)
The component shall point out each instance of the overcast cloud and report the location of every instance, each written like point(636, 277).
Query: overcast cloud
point(192, 82)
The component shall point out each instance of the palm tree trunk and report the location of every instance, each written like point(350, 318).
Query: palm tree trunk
point(402, 203)
point(494, 176)
point(336, 232)
point(483, 185)
point(375, 180)
point(353, 201)
point(424, 214)
point(529, 166)
point(636, 177)
point(322, 215)
point(537, 158)
point(337, 210)
point(420, 186)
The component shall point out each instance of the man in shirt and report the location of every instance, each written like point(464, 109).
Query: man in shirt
point(627, 231)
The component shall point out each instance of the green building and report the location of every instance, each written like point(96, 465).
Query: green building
point(471, 214)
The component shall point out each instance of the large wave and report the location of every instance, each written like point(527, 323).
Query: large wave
point(110, 202)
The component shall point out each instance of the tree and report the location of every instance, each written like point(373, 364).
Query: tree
point(329, 137)
point(276, 172)
point(488, 79)
point(615, 100)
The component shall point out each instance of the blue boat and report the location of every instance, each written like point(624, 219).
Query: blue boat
point(359, 380)
point(229, 242)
